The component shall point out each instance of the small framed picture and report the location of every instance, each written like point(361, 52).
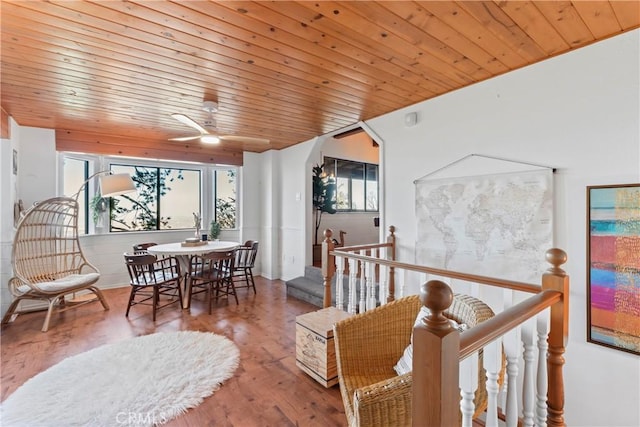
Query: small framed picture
point(15, 162)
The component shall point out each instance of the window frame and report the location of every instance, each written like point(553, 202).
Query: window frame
point(104, 163)
point(332, 170)
point(159, 205)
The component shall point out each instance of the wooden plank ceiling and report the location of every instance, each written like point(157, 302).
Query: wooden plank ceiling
point(107, 75)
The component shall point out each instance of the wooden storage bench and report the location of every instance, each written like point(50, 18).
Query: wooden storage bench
point(315, 351)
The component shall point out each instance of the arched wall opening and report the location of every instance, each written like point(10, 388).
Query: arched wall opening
point(358, 144)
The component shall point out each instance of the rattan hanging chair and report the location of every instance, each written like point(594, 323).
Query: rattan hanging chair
point(48, 263)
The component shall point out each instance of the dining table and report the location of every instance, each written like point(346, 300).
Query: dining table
point(183, 252)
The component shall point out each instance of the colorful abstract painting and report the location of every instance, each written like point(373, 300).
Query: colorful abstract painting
point(614, 266)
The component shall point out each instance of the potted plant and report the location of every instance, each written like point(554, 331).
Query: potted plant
point(324, 201)
point(214, 230)
point(98, 205)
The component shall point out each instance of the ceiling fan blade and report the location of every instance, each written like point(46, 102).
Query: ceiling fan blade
point(185, 138)
point(247, 139)
point(189, 122)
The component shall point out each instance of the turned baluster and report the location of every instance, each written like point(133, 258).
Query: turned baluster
point(528, 384)
point(340, 282)
point(363, 285)
point(468, 386)
point(353, 293)
point(541, 380)
point(436, 347)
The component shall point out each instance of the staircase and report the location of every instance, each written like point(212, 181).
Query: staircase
point(309, 287)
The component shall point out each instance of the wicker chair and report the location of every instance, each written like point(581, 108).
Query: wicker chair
point(48, 263)
point(368, 346)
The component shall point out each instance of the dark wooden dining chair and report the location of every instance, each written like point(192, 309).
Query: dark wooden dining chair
point(151, 279)
point(211, 273)
point(140, 247)
point(243, 267)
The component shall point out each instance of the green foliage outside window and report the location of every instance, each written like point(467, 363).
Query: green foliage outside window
point(225, 209)
point(151, 184)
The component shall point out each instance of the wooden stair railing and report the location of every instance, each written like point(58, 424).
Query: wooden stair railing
point(436, 344)
point(328, 265)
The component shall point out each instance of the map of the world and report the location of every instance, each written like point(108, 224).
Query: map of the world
point(491, 225)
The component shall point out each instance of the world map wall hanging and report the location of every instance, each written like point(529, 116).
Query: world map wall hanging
point(497, 224)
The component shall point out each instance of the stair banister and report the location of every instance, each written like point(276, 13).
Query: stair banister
point(436, 346)
point(391, 256)
point(555, 279)
point(328, 266)
point(329, 262)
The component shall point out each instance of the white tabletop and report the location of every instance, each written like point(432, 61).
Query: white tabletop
point(177, 248)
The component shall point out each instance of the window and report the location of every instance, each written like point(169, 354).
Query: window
point(167, 196)
point(356, 182)
point(76, 171)
point(166, 199)
point(224, 184)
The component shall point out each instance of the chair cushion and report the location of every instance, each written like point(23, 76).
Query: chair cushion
point(405, 363)
point(67, 282)
point(160, 276)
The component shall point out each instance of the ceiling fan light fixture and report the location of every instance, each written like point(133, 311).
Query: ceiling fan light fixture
point(209, 139)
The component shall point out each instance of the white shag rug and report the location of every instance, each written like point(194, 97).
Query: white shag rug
point(141, 381)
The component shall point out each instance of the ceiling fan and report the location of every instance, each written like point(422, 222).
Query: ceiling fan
point(208, 133)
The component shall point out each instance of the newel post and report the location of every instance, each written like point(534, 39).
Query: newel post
point(391, 255)
point(436, 346)
point(556, 279)
point(328, 266)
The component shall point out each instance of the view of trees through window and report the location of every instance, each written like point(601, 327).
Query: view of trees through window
point(356, 184)
point(166, 197)
point(225, 197)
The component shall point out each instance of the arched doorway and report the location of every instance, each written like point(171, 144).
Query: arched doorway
point(351, 159)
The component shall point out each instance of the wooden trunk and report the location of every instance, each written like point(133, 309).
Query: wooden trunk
point(315, 351)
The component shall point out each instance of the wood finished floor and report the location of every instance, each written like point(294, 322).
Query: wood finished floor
point(267, 389)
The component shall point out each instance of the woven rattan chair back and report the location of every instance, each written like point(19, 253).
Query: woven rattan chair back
point(48, 262)
point(366, 373)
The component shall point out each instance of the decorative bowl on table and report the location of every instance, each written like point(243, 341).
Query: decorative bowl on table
point(193, 241)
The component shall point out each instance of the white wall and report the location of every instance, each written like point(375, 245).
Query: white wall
point(251, 212)
point(36, 169)
point(579, 113)
point(357, 147)
point(8, 196)
point(295, 198)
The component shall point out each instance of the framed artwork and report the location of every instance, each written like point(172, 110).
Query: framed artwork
point(613, 270)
